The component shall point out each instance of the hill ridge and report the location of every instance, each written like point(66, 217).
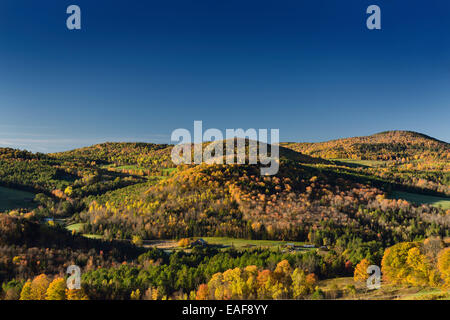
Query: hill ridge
point(386, 145)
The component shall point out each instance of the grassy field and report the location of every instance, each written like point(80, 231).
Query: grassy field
point(78, 227)
point(125, 167)
point(172, 244)
point(360, 163)
point(214, 241)
point(244, 243)
point(338, 288)
point(427, 294)
point(441, 202)
point(92, 236)
point(134, 167)
point(14, 199)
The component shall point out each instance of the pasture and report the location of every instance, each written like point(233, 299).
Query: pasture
point(244, 243)
point(359, 163)
point(11, 199)
point(417, 198)
point(339, 288)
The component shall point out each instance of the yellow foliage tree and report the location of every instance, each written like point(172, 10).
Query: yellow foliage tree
point(76, 294)
point(406, 262)
point(251, 283)
point(444, 266)
point(419, 266)
point(283, 272)
point(25, 294)
point(264, 279)
point(137, 240)
point(215, 286)
point(68, 191)
point(185, 242)
point(394, 265)
point(360, 274)
point(135, 295)
point(39, 287)
point(57, 290)
point(299, 286)
point(234, 282)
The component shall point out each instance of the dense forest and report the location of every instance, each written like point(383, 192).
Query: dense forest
point(355, 201)
point(389, 145)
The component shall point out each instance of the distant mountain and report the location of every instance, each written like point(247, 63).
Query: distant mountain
point(284, 153)
point(388, 145)
point(149, 154)
point(122, 153)
point(9, 153)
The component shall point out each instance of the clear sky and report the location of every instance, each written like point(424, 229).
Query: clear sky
point(137, 70)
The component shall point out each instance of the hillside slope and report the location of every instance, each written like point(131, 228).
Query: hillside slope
point(319, 203)
point(122, 153)
point(389, 145)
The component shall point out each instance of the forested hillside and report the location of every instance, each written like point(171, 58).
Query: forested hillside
point(144, 155)
point(300, 203)
point(119, 199)
point(389, 145)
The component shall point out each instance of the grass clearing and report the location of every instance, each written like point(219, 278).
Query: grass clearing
point(15, 199)
point(244, 243)
point(124, 167)
point(223, 242)
point(169, 170)
point(417, 198)
point(92, 236)
point(338, 288)
point(77, 227)
point(426, 294)
point(360, 163)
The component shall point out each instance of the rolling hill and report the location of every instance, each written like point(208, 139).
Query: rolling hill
point(132, 192)
point(389, 145)
point(122, 153)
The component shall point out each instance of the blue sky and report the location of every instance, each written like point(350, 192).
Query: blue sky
point(140, 69)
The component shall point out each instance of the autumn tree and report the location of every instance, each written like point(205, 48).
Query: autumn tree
point(135, 295)
point(299, 286)
point(421, 271)
point(185, 242)
point(76, 294)
point(234, 282)
point(202, 292)
point(57, 290)
point(282, 273)
point(39, 287)
point(360, 274)
point(137, 240)
point(311, 279)
point(405, 262)
point(251, 282)
point(444, 266)
point(216, 287)
point(264, 280)
point(394, 263)
point(26, 294)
